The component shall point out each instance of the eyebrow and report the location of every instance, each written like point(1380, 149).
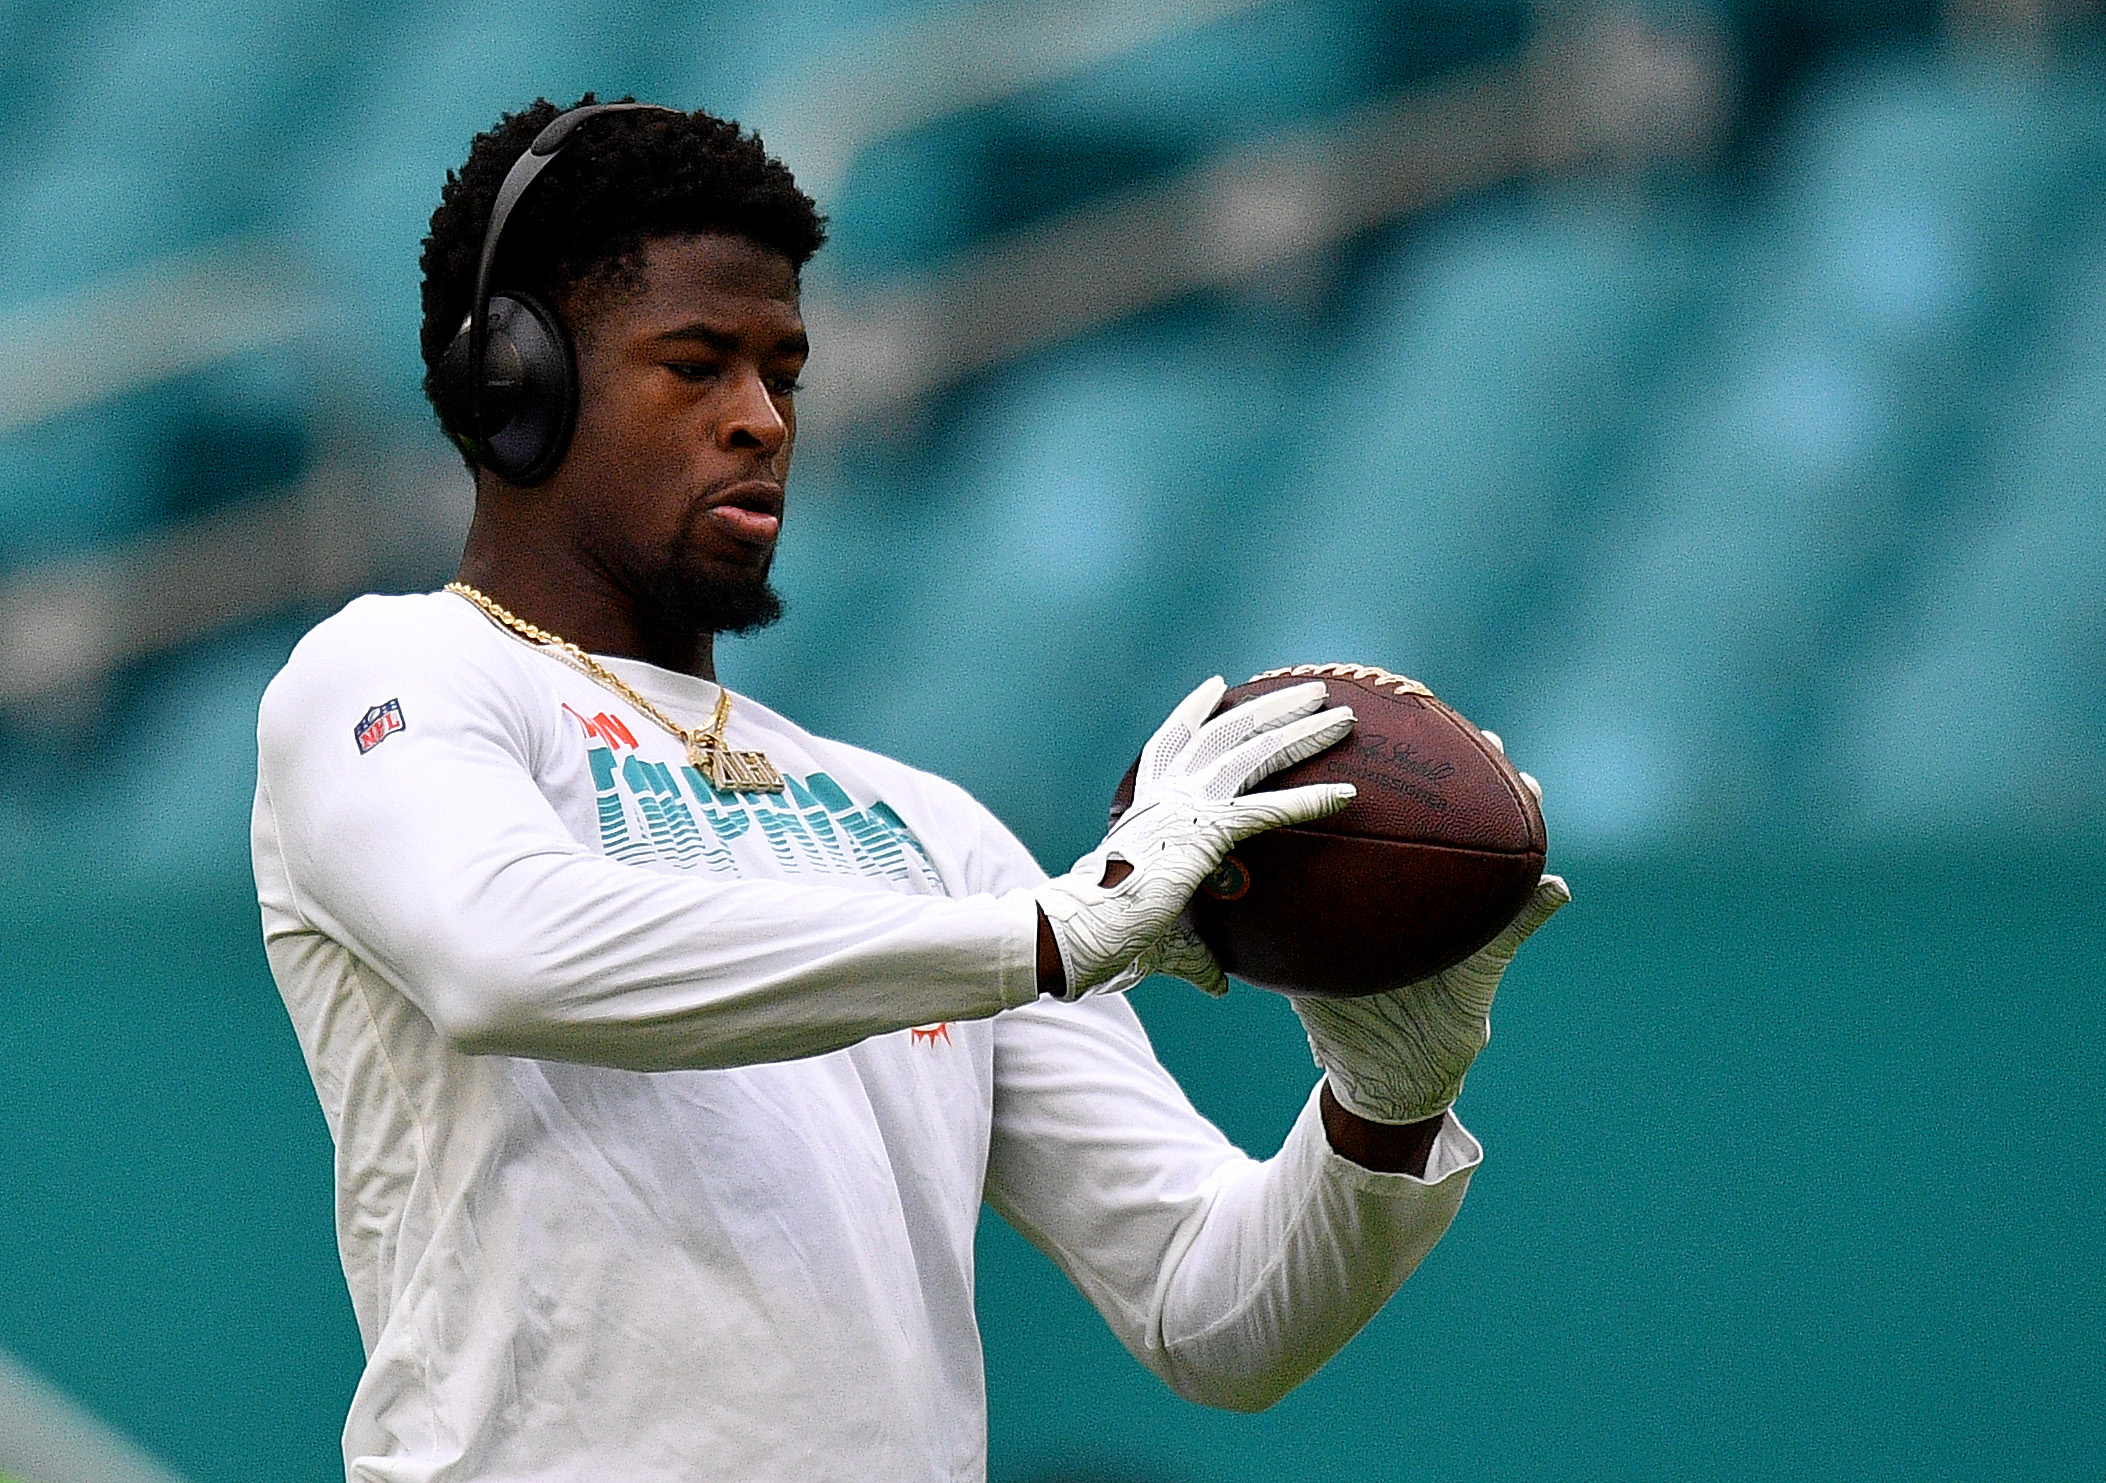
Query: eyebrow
point(797, 344)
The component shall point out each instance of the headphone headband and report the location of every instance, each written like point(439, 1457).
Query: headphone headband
point(525, 170)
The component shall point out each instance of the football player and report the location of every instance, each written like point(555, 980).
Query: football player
point(669, 1049)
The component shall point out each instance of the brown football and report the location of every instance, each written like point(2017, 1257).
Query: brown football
point(1434, 857)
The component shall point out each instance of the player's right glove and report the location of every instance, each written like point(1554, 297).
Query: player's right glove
point(1189, 809)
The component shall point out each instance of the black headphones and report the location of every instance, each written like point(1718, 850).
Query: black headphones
point(508, 383)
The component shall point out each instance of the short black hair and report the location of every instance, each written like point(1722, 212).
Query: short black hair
point(625, 179)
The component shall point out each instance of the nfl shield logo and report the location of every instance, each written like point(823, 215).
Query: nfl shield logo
point(378, 724)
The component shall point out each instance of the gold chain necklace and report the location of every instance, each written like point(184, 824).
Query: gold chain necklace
point(728, 771)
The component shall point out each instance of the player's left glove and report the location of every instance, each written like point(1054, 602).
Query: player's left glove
point(1400, 1057)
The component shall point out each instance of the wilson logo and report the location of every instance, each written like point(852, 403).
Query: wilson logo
point(930, 1034)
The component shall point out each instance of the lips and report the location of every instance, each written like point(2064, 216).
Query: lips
point(750, 512)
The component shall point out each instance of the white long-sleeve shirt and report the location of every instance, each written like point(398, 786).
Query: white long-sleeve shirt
point(663, 1116)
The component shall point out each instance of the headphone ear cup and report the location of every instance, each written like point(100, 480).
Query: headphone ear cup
point(529, 393)
point(451, 396)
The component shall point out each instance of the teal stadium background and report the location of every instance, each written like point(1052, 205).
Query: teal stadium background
point(1724, 424)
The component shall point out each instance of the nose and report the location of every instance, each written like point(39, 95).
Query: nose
point(752, 420)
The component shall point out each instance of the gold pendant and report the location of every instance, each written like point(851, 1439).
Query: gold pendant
point(729, 771)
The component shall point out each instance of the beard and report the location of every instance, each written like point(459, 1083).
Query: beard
point(686, 597)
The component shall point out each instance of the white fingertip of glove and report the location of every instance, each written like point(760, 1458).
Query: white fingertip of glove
point(1527, 782)
point(1186, 814)
point(1400, 1057)
point(1219, 758)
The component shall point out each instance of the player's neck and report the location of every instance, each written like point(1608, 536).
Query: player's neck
point(581, 606)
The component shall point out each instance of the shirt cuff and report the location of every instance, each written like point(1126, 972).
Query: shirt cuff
point(1019, 968)
point(1455, 1151)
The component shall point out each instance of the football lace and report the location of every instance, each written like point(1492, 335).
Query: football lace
point(1365, 673)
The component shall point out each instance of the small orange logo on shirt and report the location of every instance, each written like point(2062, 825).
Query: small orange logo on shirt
point(606, 728)
point(930, 1034)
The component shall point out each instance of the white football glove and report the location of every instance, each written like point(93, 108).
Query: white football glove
point(1187, 814)
point(1399, 1057)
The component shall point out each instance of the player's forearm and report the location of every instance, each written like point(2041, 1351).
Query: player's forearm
point(742, 981)
point(1292, 1259)
point(578, 958)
